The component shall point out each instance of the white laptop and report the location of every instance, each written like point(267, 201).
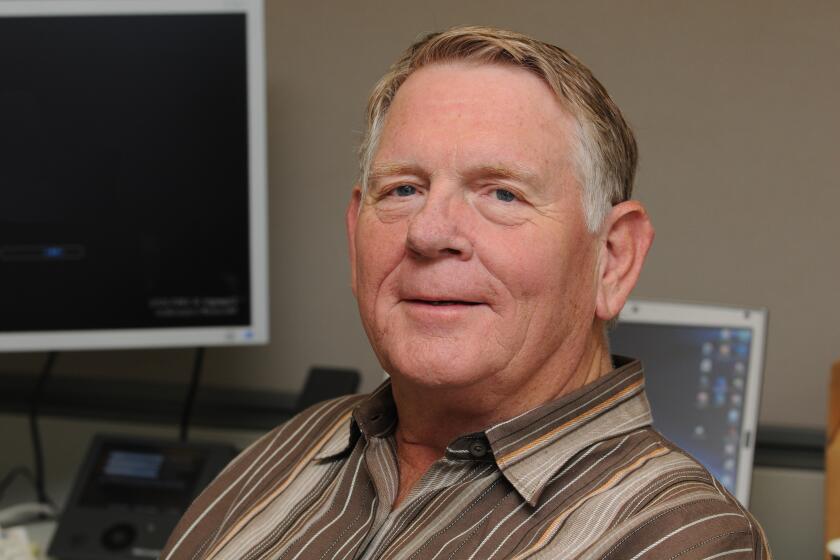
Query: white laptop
point(703, 368)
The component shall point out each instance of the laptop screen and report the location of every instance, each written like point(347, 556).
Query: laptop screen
point(702, 379)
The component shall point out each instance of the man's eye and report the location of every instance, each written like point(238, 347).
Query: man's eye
point(505, 195)
point(405, 190)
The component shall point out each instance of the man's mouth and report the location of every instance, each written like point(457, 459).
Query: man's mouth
point(442, 302)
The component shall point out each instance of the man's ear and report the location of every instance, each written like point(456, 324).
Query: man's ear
point(351, 219)
point(626, 238)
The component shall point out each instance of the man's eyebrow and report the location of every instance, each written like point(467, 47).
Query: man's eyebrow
point(391, 169)
point(520, 175)
point(500, 171)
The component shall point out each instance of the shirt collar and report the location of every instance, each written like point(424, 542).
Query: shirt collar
point(375, 416)
point(529, 449)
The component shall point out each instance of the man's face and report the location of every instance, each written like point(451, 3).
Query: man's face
point(470, 255)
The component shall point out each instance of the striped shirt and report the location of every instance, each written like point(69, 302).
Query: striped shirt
point(584, 476)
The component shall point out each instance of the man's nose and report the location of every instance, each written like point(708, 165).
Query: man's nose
point(438, 228)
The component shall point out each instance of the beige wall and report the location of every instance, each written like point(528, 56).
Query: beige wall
point(736, 109)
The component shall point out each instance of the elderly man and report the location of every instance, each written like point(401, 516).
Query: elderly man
point(491, 240)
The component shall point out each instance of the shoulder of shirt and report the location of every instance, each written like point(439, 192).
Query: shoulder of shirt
point(323, 412)
point(315, 427)
point(247, 482)
point(682, 511)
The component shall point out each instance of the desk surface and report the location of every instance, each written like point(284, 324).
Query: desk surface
point(38, 533)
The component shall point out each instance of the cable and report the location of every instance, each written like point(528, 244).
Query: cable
point(20, 514)
point(37, 450)
point(19, 471)
point(189, 400)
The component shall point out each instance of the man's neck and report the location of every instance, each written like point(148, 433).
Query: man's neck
point(431, 418)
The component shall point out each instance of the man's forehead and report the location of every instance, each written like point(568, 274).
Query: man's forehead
point(490, 119)
point(509, 87)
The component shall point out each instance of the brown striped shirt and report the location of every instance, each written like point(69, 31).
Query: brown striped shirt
point(584, 476)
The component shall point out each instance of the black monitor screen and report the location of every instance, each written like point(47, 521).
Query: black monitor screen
point(123, 172)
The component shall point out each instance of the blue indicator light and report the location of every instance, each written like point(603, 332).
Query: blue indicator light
point(53, 252)
point(249, 335)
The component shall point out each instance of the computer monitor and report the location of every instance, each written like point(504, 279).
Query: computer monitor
point(133, 170)
point(703, 368)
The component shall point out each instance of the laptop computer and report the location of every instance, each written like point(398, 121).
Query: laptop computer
point(703, 370)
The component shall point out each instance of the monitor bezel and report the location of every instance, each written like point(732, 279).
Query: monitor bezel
point(257, 332)
point(690, 314)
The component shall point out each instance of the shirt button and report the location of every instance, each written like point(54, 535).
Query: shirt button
point(478, 449)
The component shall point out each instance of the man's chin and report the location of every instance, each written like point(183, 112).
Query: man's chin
point(434, 374)
point(438, 362)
